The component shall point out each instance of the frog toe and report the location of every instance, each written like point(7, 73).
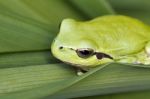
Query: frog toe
point(147, 61)
point(147, 49)
point(148, 52)
point(137, 62)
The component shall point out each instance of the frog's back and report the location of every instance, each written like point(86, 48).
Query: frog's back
point(126, 33)
point(123, 23)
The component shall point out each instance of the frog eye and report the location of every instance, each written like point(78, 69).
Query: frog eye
point(85, 52)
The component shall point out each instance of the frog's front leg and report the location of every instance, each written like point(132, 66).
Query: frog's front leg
point(144, 56)
point(147, 49)
point(147, 52)
point(81, 70)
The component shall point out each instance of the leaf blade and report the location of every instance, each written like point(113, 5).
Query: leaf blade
point(18, 59)
point(93, 8)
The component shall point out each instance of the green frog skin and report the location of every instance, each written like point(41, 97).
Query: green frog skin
point(106, 39)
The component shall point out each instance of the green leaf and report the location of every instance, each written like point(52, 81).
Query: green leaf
point(15, 75)
point(106, 79)
point(127, 95)
point(23, 78)
point(114, 78)
point(93, 8)
point(134, 8)
point(26, 58)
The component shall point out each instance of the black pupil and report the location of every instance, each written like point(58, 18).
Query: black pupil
point(85, 52)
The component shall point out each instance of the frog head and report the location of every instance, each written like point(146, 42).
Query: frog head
point(75, 45)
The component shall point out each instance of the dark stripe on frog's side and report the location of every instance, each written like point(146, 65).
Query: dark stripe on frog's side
point(100, 55)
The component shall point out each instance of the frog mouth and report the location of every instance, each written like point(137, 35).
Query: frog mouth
point(99, 55)
point(73, 64)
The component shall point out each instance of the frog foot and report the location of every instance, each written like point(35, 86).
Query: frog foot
point(81, 70)
point(148, 52)
point(147, 61)
point(147, 49)
point(137, 62)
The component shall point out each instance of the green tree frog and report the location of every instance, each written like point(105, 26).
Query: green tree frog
point(110, 38)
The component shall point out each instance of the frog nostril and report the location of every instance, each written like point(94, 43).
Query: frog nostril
point(61, 47)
